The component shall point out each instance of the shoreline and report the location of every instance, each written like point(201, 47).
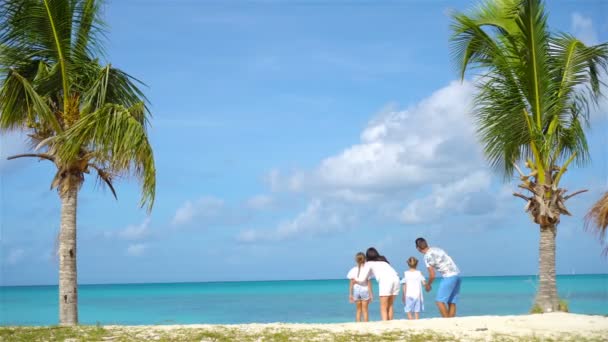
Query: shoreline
point(551, 326)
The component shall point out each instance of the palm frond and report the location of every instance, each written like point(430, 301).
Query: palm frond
point(18, 103)
point(597, 218)
point(115, 134)
point(105, 177)
point(534, 88)
point(111, 85)
point(88, 28)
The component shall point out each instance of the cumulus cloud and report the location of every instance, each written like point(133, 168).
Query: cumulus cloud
point(318, 218)
point(426, 156)
point(137, 249)
point(212, 212)
point(205, 207)
point(582, 28)
point(131, 232)
point(470, 195)
point(136, 232)
point(431, 142)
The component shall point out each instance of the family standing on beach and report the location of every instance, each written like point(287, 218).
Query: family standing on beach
point(373, 265)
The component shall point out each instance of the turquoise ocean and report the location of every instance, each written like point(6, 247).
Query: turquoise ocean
point(303, 301)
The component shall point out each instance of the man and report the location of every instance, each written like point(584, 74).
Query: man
point(449, 288)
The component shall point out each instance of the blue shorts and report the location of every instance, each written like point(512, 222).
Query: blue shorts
point(360, 293)
point(449, 290)
point(413, 304)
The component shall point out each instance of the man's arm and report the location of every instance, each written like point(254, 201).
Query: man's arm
point(404, 290)
point(427, 286)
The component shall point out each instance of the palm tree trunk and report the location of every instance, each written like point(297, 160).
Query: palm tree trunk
point(546, 298)
point(68, 287)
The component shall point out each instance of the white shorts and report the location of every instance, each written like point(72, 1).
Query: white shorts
point(360, 293)
point(389, 287)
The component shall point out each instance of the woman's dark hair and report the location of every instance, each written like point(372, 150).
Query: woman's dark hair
point(372, 255)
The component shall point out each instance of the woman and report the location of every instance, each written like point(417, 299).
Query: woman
point(387, 278)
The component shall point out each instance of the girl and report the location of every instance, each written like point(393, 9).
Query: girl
point(360, 292)
point(412, 289)
point(388, 281)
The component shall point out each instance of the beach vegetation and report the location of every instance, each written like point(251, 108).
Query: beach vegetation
point(229, 334)
point(535, 91)
point(81, 114)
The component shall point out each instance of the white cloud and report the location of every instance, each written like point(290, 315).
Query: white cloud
point(319, 217)
point(431, 142)
point(468, 195)
point(136, 232)
point(203, 208)
point(429, 147)
point(131, 232)
point(137, 249)
point(15, 255)
point(260, 202)
point(582, 28)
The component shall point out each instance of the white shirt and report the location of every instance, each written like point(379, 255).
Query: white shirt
point(379, 269)
point(413, 282)
point(441, 261)
point(352, 274)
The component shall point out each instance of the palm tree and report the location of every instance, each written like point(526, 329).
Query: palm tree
point(597, 217)
point(79, 114)
point(534, 90)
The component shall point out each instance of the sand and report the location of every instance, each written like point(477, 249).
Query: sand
point(553, 325)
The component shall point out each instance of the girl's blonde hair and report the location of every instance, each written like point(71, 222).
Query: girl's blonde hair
point(412, 262)
point(360, 259)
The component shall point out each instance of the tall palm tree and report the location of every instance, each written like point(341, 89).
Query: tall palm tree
point(80, 114)
point(534, 90)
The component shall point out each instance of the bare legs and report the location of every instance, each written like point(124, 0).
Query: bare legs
point(446, 311)
point(386, 307)
point(452, 310)
point(391, 307)
point(416, 315)
point(364, 307)
point(362, 311)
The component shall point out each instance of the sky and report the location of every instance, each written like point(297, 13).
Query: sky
point(290, 135)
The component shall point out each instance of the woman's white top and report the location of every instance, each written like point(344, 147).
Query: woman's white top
point(380, 270)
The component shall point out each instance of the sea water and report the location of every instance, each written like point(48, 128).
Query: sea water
point(303, 301)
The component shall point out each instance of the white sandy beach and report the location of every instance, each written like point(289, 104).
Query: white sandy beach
point(554, 325)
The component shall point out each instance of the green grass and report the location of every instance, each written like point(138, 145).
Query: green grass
point(562, 306)
point(52, 333)
point(225, 334)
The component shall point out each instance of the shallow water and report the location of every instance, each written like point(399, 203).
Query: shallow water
point(318, 301)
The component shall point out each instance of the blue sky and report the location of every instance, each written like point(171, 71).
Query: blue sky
point(290, 135)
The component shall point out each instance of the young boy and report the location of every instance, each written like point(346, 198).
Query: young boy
point(449, 288)
point(412, 289)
